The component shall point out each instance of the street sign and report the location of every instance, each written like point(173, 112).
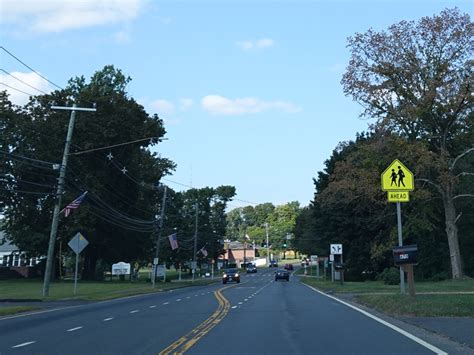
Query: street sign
point(331, 257)
point(78, 243)
point(398, 196)
point(336, 249)
point(397, 177)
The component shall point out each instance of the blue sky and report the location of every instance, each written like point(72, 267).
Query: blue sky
point(249, 90)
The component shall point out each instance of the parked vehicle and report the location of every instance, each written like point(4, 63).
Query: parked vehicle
point(273, 263)
point(288, 267)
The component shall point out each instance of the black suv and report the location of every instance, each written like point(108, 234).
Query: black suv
point(282, 274)
point(230, 275)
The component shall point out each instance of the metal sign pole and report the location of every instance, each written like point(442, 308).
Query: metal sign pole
point(75, 273)
point(400, 243)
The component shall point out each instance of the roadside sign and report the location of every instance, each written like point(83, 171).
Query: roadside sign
point(398, 196)
point(193, 265)
point(78, 243)
point(160, 270)
point(121, 268)
point(336, 249)
point(397, 177)
point(331, 257)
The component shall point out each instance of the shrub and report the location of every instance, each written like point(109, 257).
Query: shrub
point(390, 276)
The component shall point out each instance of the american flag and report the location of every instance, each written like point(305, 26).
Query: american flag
point(173, 241)
point(74, 204)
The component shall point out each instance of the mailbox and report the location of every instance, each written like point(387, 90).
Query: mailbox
point(338, 266)
point(407, 254)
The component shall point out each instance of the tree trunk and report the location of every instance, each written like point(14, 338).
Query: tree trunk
point(452, 234)
point(90, 262)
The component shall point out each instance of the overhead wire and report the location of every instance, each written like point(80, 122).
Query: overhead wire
point(23, 82)
point(26, 65)
point(11, 87)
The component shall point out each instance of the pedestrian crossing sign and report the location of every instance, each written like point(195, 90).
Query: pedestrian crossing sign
point(398, 196)
point(397, 177)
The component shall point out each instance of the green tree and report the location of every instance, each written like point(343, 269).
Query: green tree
point(416, 78)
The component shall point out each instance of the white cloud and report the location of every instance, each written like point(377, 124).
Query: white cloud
point(163, 107)
point(57, 16)
point(258, 44)
point(220, 105)
point(185, 104)
point(32, 79)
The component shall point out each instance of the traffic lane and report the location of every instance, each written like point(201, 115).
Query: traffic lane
point(288, 317)
point(186, 309)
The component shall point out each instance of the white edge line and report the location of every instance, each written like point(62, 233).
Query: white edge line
point(23, 344)
point(107, 319)
point(394, 327)
point(134, 311)
point(73, 329)
point(154, 306)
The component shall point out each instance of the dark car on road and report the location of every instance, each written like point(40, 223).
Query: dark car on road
point(289, 267)
point(282, 274)
point(251, 268)
point(230, 275)
point(273, 263)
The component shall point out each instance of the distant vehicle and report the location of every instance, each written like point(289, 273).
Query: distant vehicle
point(289, 267)
point(251, 268)
point(273, 263)
point(282, 274)
point(230, 275)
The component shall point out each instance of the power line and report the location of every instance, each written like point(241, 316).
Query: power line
point(21, 81)
point(11, 87)
point(26, 65)
point(111, 146)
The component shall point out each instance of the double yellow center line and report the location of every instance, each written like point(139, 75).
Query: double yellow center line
point(184, 343)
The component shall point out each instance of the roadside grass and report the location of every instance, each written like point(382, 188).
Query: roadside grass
point(457, 305)
point(433, 299)
point(5, 311)
point(89, 291)
point(445, 286)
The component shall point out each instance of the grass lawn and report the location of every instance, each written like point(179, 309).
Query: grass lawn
point(93, 291)
point(422, 305)
point(433, 299)
point(5, 311)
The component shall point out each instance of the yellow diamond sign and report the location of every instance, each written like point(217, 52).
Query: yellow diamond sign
point(397, 177)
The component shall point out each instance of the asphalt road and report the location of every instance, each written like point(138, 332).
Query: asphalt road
point(257, 316)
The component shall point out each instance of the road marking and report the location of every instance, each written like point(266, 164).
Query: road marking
point(234, 307)
point(166, 303)
point(240, 303)
point(178, 300)
point(203, 294)
point(187, 341)
point(134, 311)
point(73, 329)
point(107, 319)
point(245, 300)
point(377, 319)
point(23, 344)
point(188, 298)
point(154, 306)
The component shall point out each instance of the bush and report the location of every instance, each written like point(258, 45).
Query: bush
point(390, 276)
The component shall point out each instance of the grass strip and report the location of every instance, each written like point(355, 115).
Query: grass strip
point(455, 305)
point(90, 291)
point(4, 311)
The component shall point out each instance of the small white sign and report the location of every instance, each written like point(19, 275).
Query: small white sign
point(313, 258)
point(160, 270)
point(331, 257)
point(121, 268)
point(336, 249)
point(193, 265)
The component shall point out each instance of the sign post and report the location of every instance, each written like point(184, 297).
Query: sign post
point(77, 244)
point(397, 180)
